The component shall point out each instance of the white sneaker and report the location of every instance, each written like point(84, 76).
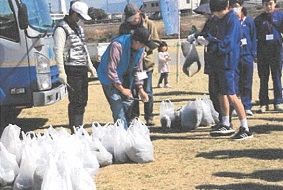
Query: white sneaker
point(249, 112)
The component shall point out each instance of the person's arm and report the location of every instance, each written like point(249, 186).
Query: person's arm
point(59, 45)
point(114, 59)
point(139, 83)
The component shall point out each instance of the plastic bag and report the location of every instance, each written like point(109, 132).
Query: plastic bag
point(191, 115)
point(8, 166)
point(11, 140)
point(120, 140)
point(192, 64)
point(214, 113)
point(166, 108)
point(139, 146)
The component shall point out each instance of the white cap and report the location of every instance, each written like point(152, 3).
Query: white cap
point(82, 9)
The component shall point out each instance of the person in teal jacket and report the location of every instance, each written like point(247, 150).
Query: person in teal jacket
point(121, 70)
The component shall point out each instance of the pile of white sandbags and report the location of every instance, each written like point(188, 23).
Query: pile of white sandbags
point(59, 160)
point(199, 112)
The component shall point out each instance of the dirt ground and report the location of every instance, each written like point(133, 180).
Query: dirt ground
point(183, 160)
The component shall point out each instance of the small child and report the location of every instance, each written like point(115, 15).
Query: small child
point(163, 67)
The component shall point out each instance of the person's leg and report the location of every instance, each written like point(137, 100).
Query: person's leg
point(78, 95)
point(148, 106)
point(118, 106)
point(263, 73)
point(276, 73)
point(166, 83)
point(225, 85)
point(246, 81)
point(160, 80)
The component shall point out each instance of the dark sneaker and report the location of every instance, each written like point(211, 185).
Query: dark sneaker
point(149, 122)
point(222, 130)
point(242, 135)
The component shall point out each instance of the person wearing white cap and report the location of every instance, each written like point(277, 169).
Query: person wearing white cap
point(73, 61)
point(135, 18)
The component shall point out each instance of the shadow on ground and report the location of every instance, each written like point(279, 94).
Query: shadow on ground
point(266, 175)
point(263, 154)
point(240, 186)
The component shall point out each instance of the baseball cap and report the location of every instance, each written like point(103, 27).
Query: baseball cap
point(82, 9)
point(142, 35)
point(130, 12)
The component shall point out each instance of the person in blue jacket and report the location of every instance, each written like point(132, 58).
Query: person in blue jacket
point(247, 55)
point(223, 45)
point(269, 54)
point(121, 70)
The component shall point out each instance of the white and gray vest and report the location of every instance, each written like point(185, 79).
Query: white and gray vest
point(75, 47)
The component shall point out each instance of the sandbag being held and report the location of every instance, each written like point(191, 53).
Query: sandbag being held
point(192, 63)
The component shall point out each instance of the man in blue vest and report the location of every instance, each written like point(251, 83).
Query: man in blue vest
point(121, 70)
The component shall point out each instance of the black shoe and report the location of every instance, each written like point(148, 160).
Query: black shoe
point(149, 122)
point(242, 134)
point(222, 130)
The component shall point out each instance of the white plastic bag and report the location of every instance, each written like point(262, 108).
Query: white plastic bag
point(120, 140)
point(11, 140)
point(139, 146)
point(166, 108)
point(214, 113)
point(8, 166)
point(191, 115)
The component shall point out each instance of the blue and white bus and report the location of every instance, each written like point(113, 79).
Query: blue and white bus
point(28, 72)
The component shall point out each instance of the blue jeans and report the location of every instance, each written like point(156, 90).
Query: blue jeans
point(148, 106)
point(120, 106)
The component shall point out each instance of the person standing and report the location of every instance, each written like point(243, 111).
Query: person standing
point(73, 61)
point(134, 18)
point(121, 70)
point(269, 54)
point(223, 44)
point(163, 66)
point(247, 55)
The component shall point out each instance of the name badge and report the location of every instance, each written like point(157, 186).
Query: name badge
point(269, 37)
point(244, 41)
point(141, 75)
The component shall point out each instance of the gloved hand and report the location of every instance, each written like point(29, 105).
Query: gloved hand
point(191, 38)
point(62, 75)
point(201, 40)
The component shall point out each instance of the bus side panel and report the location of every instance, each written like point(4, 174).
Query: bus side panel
point(14, 73)
point(15, 78)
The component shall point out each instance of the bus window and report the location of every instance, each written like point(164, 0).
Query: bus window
point(8, 24)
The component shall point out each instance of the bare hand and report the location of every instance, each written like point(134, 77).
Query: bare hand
point(143, 95)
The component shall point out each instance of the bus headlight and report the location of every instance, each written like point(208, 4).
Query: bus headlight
point(43, 81)
point(42, 64)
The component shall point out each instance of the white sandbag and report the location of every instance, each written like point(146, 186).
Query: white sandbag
point(207, 119)
point(214, 113)
point(104, 157)
point(191, 115)
point(120, 140)
point(8, 166)
point(166, 108)
point(11, 140)
point(139, 146)
point(81, 180)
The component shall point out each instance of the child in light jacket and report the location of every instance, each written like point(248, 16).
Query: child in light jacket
point(163, 66)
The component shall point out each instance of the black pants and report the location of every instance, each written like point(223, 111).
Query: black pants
point(78, 80)
point(163, 76)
